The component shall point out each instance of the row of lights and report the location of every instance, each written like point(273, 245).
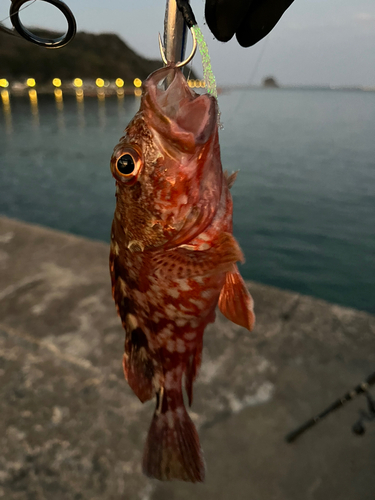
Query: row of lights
point(196, 83)
point(77, 82)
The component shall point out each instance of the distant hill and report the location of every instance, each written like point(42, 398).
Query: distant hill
point(87, 56)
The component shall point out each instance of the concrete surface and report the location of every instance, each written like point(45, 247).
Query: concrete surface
point(71, 429)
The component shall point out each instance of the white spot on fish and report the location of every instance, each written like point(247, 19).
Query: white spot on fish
point(155, 288)
point(199, 303)
point(122, 286)
point(171, 311)
point(165, 333)
point(184, 285)
point(171, 345)
point(181, 322)
point(190, 335)
point(180, 346)
point(204, 246)
point(115, 248)
point(131, 321)
point(141, 298)
point(194, 323)
point(118, 215)
point(204, 237)
point(183, 199)
point(157, 316)
point(173, 292)
point(143, 353)
point(207, 294)
point(173, 379)
point(198, 279)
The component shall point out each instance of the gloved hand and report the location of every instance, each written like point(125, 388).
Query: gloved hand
point(251, 20)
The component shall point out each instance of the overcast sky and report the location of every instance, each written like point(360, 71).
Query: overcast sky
point(326, 42)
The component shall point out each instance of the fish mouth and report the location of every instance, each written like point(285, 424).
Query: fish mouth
point(188, 119)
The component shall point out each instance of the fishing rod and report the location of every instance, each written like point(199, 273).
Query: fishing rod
point(49, 43)
point(358, 428)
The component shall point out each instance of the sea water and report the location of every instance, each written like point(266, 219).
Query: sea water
point(304, 199)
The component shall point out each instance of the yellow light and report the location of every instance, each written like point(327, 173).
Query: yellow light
point(99, 82)
point(30, 82)
point(191, 83)
point(58, 94)
point(120, 82)
point(137, 92)
point(4, 82)
point(56, 82)
point(77, 82)
point(137, 82)
point(203, 83)
point(5, 97)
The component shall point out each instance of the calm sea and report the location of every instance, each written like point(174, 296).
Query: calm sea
point(304, 200)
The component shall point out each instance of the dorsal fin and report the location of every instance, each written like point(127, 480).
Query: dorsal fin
point(230, 178)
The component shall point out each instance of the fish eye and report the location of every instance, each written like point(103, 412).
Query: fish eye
point(127, 163)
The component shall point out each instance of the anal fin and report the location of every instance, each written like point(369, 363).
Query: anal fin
point(141, 366)
point(235, 301)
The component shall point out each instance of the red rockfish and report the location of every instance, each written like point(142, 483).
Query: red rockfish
point(173, 259)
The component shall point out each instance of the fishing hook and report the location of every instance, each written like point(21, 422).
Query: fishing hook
point(49, 43)
point(181, 63)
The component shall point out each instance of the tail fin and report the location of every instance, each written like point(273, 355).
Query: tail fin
point(172, 449)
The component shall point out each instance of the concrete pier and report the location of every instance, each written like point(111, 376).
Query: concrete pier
point(71, 429)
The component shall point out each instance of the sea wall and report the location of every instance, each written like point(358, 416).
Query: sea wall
point(71, 428)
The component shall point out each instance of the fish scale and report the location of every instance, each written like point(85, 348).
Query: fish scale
point(172, 260)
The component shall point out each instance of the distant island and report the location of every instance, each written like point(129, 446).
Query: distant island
point(270, 82)
point(88, 56)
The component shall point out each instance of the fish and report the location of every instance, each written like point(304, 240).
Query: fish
point(173, 259)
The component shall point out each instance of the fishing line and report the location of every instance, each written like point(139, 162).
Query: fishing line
point(251, 79)
point(257, 62)
point(15, 13)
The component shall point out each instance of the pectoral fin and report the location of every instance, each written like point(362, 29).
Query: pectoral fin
point(235, 301)
point(183, 263)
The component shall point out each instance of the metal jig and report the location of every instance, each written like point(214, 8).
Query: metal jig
point(50, 43)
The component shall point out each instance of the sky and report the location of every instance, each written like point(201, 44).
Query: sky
point(316, 42)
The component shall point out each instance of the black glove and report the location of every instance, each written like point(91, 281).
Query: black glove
point(251, 20)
